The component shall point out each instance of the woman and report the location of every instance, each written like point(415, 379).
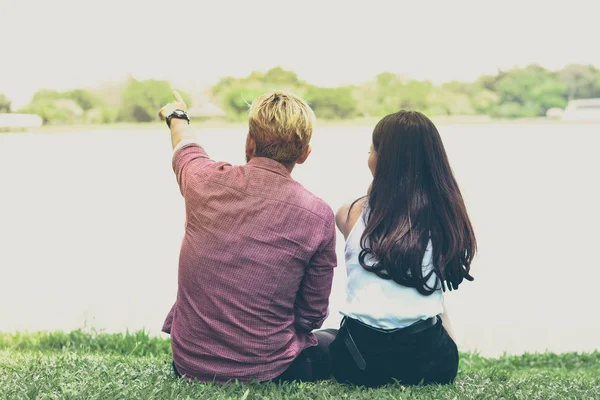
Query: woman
point(407, 241)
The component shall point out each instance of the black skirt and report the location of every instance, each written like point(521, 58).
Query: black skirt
point(367, 356)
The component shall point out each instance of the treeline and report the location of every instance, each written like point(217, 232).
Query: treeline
point(132, 101)
point(519, 92)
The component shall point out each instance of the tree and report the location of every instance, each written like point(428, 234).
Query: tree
point(84, 98)
point(390, 93)
point(235, 94)
point(280, 76)
point(236, 101)
point(53, 107)
point(533, 88)
point(5, 104)
point(442, 101)
point(143, 99)
point(484, 101)
point(43, 95)
point(332, 103)
point(583, 81)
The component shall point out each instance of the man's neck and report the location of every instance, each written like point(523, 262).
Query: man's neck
point(288, 166)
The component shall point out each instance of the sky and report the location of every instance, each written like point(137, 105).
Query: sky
point(64, 44)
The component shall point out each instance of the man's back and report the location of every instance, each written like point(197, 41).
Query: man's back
point(255, 269)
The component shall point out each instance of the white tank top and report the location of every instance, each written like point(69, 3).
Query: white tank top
point(384, 303)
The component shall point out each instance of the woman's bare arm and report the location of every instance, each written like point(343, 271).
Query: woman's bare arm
point(446, 322)
point(346, 222)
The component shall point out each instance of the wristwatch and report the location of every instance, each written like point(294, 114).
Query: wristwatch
point(179, 114)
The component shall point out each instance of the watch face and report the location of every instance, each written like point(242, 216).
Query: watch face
point(179, 114)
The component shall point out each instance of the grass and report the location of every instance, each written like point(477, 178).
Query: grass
point(82, 365)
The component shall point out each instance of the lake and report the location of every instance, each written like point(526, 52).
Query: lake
point(91, 223)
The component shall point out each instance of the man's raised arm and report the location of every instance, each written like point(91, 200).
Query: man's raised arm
point(180, 129)
point(188, 156)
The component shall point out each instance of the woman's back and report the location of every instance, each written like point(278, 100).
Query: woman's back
point(378, 342)
point(383, 303)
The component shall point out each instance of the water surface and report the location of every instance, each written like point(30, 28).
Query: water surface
point(91, 223)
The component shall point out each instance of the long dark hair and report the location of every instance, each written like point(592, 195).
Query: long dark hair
point(415, 198)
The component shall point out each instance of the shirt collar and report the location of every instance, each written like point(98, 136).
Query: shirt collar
point(269, 165)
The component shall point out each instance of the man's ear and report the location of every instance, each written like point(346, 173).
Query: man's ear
point(304, 155)
point(250, 147)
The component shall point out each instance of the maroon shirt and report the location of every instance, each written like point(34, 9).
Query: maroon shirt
point(255, 269)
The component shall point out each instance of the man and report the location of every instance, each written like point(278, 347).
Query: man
point(257, 258)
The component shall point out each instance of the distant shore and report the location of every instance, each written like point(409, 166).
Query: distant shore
point(222, 124)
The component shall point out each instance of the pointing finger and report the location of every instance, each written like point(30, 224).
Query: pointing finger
point(178, 96)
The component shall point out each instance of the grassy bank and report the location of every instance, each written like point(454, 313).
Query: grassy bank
point(81, 365)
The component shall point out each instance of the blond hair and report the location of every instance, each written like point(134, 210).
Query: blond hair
point(281, 124)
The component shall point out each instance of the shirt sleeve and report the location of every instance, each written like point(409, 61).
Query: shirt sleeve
point(188, 159)
point(312, 302)
point(169, 320)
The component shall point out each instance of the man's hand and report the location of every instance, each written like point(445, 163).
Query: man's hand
point(178, 104)
point(179, 127)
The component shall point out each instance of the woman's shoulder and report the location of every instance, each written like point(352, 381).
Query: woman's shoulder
point(347, 215)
